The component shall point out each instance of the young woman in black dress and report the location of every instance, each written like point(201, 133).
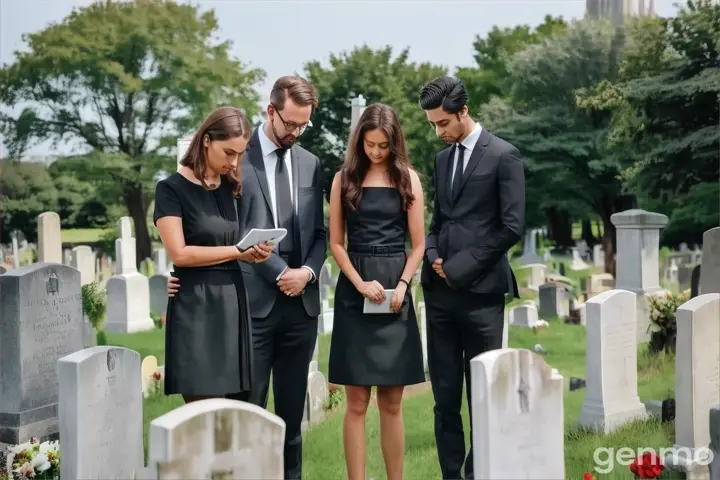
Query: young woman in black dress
point(208, 347)
point(377, 200)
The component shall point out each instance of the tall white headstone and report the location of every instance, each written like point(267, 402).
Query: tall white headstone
point(49, 238)
point(83, 259)
point(128, 291)
point(517, 416)
point(611, 398)
point(358, 107)
point(697, 380)
point(637, 262)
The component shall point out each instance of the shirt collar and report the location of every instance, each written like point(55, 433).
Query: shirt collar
point(472, 139)
point(266, 144)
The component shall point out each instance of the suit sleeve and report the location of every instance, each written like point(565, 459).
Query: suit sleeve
point(462, 269)
point(318, 249)
point(431, 251)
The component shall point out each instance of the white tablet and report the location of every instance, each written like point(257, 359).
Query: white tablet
point(262, 235)
point(384, 307)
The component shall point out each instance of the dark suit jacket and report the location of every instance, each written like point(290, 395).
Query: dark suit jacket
point(473, 233)
point(255, 211)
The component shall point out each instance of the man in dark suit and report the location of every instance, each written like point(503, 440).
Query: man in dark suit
point(478, 215)
point(281, 187)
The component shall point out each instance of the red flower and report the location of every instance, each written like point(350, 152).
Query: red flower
point(647, 466)
point(587, 476)
point(157, 376)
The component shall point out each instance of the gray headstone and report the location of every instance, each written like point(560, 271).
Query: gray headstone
point(710, 273)
point(101, 415)
point(41, 321)
point(158, 293)
point(715, 442)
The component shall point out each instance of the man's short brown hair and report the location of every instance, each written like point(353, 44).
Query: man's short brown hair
point(297, 88)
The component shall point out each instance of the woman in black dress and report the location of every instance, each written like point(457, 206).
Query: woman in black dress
point(377, 200)
point(208, 345)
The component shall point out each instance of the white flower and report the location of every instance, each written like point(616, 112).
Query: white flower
point(41, 463)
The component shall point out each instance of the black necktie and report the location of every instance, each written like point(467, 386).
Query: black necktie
point(283, 202)
point(457, 178)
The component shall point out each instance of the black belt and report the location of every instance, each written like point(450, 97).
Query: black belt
point(376, 249)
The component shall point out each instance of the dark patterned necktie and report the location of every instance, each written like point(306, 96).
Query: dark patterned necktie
point(283, 205)
point(457, 178)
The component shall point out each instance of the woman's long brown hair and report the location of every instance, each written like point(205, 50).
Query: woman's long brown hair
point(375, 117)
point(222, 124)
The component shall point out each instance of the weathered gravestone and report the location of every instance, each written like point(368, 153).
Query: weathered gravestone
point(41, 321)
point(83, 258)
point(317, 396)
point(517, 416)
point(710, 272)
point(101, 415)
point(49, 238)
point(697, 381)
point(217, 438)
point(611, 362)
point(523, 316)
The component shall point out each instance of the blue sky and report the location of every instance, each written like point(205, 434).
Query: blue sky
point(285, 34)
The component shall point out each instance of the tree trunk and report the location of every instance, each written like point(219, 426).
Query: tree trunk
point(609, 243)
point(135, 202)
point(587, 233)
point(559, 227)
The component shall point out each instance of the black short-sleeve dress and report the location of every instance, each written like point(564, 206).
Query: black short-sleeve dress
point(208, 345)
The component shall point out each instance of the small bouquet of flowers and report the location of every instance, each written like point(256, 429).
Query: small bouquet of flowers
point(648, 465)
point(34, 460)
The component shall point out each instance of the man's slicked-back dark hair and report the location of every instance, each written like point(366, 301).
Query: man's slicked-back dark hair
point(446, 92)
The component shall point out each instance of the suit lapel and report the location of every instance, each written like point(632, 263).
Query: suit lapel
point(477, 154)
point(441, 174)
point(255, 156)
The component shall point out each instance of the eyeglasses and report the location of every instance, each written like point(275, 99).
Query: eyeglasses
point(292, 126)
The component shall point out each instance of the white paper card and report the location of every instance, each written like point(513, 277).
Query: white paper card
point(260, 235)
point(384, 307)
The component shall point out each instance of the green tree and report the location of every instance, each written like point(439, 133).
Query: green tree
point(490, 77)
point(26, 190)
point(665, 110)
point(560, 140)
point(124, 80)
point(378, 77)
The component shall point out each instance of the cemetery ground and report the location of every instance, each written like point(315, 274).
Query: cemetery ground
point(565, 350)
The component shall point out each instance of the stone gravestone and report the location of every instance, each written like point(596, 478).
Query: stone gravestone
point(611, 398)
point(552, 300)
point(517, 416)
point(422, 312)
point(710, 271)
point(523, 316)
point(49, 238)
point(101, 414)
point(83, 259)
point(695, 281)
point(217, 438)
point(41, 320)
point(317, 396)
point(715, 442)
point(697, 379)
point(128, 291)
point(158, 293)
point(637, 262)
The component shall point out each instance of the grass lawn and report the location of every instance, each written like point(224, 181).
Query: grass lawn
point(565, 346)
point(81, 235)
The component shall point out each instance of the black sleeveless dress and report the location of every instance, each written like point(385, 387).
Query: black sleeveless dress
point(375, 349)
point(208, 340)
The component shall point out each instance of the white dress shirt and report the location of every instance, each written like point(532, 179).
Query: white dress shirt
point(469, 144)
point(270, 159)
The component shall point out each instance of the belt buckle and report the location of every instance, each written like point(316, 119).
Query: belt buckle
point(380, 249)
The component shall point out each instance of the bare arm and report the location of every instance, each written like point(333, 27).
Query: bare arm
point(171, 233)
point(416, 226)
point(337, 235)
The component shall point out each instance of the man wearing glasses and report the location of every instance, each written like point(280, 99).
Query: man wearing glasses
point(281, 188)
